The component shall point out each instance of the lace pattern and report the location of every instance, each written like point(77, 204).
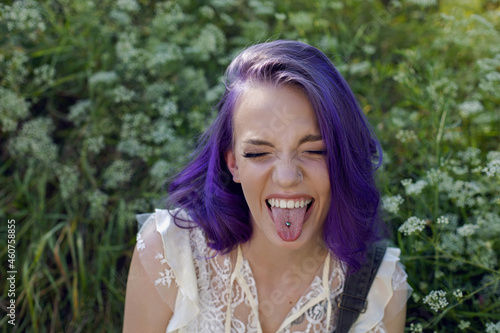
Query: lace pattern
point(213, 273)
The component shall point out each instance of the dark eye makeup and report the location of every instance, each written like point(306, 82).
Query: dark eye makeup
point(255, 155)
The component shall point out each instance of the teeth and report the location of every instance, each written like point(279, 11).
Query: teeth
point(289, 204)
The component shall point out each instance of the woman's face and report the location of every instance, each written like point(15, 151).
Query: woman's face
point(280, 160)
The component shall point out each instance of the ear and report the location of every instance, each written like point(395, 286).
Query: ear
point(232, 165)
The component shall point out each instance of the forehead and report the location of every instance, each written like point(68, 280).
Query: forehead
point(270, 112)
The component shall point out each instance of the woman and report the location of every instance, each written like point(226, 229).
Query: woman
point(276, 210)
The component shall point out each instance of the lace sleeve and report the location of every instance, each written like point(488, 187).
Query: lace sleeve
point(153, 258)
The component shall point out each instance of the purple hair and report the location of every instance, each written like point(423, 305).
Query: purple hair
point(204, 188)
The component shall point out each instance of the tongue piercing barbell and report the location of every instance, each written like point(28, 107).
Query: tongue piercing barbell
point(288, 224)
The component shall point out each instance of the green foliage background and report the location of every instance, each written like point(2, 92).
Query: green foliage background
point(100, 102)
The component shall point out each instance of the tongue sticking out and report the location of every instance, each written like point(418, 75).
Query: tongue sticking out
point(289, 222)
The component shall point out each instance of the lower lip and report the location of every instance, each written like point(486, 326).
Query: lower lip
point(308, 213)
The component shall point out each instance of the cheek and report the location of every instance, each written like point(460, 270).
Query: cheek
point(253, 178)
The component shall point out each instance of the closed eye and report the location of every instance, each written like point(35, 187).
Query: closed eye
point(253, 155)
point(317, 152)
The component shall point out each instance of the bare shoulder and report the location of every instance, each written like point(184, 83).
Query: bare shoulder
point(146, 310)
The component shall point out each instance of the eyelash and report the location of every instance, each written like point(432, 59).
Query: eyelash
point(256, 155)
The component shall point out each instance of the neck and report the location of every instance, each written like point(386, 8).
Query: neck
point(276, 264)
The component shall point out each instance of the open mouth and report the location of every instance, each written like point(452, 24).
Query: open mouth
point(308, 205)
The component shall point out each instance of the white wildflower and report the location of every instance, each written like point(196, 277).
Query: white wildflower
point(464, 193)
point(492, 168)
point(13, 108)
point(463, 325)
point(470, 108)
point(128, 5)
point(443, 220)
point(486, 65)
point(302, 20)
point(168, 15)
point(95, 144)
point(458, 293)
point(493, 328)
point(211, 40)
point(159, 170)
point(391, 203)
point(413, 188)
point(79, 112)
point(24, 16)
point(118, 173)
point(122, 94)
point(120, 17)
point(405, 136)
point(125, 47)
point(369, 49)
point(68, 176)
point(490, 84)
point(470, 155)
point(102, 78)
point(423, 3)
point(359, 68)
point(467, 230)
point(450, 242)
point(412, 225)
point(98, 201)
point(44, 75)
point(15, 69)
point(416, 328)
point(207, 11)
point(436, 299)
point(34, 141)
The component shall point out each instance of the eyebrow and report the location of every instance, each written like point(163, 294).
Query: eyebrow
point(307, 138)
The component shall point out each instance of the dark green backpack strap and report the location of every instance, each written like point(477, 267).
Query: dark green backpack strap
point(352, 301)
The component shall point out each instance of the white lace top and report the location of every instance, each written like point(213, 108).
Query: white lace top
point(197, 284)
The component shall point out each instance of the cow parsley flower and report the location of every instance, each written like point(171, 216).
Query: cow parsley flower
point(24, 17)
point(117, 174)
point(463, 193)
point(467, 230)
point(490, 84)
point(413, 188)
point(493, 328)
point(412, 225)
point(391, 203)
point(97, 201)
point(470, 108)
point(95, 144)
point(436, 299)
point(405, 136)
point(44, 75)
point(416, 328)
point(128, 5)
point(122, 94)
point(34, 141)
point(423, 3)
point(452, 243)
point(443, 220)
point(68, 176)
point(102, 78)
point(13, 108)
point(79, 112)
point(458, 294)
point(492, 168)
point(463, 325)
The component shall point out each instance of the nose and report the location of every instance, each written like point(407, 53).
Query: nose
point(286, 173)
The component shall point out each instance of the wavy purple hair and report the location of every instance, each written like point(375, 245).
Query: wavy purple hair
point(204, 188)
